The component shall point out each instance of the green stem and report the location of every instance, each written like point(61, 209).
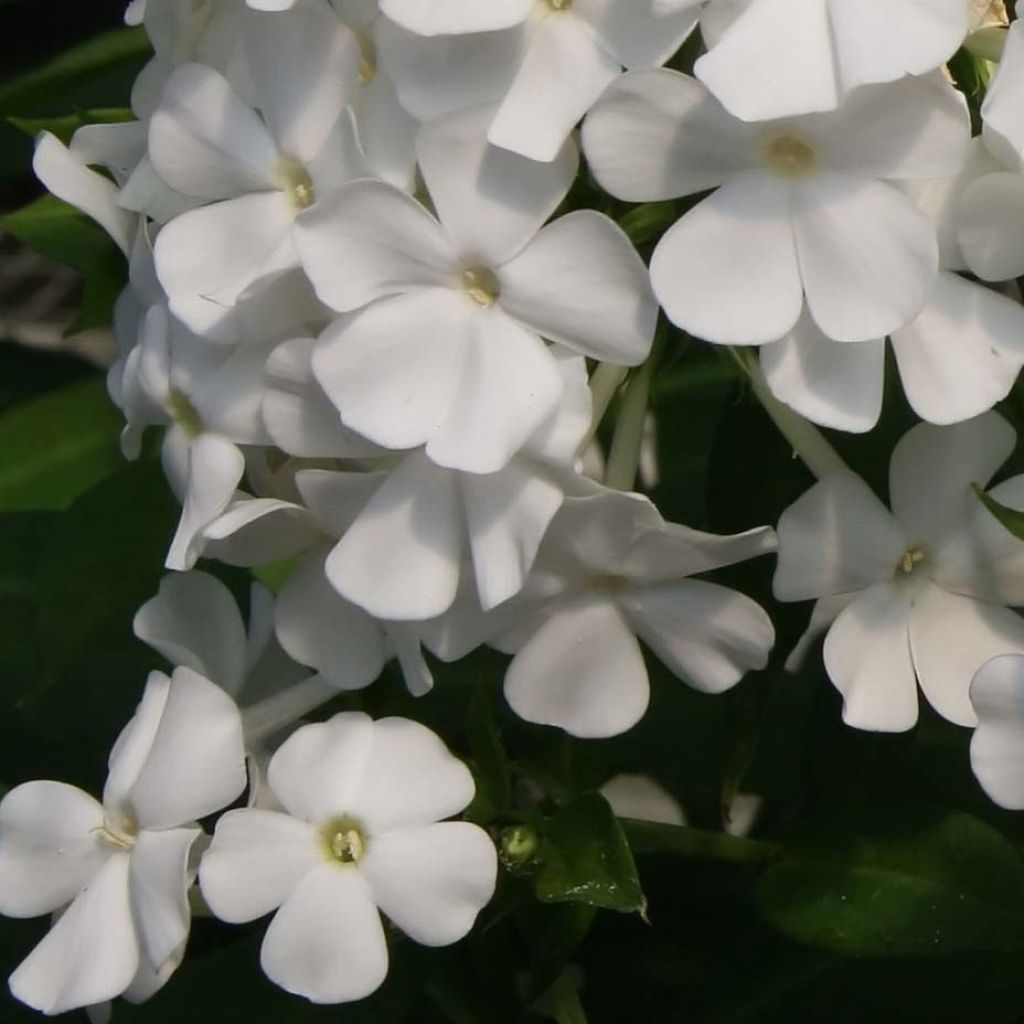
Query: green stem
point(285, 708)
point(624, 457)
point(808, 442)
point(651, 837)
point(605, 381)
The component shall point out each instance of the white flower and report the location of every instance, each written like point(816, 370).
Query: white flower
point(801, 209)
point(611, 570)
point(121, 868)
point(361, 832)
point(919, 593)
point(442, 344)
point(553, 61)
point(639, 796)
point(778, 58)
point(997, 746)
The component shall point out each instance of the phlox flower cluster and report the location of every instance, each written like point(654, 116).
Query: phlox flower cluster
point(378, 315)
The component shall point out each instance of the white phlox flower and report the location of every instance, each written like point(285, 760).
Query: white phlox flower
point(441, 342)
point(778, 58)
point(632, 795)
point(256, 172)
point(803, 207)
point(361, 832)
point(611, 572)
point(119, 870)
point(551, 62)
point(918, 595)
point(997, 746)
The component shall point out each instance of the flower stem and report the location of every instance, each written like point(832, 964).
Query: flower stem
point(285, 708)
point(808, 442)
point(651, 837)
point(624, 457)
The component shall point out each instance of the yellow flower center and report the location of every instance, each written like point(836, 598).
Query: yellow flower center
point(344, 840)
point(559, 5)
point(482, 285)
point(789, 157)
point(120, 832)
point(296, 182)
point(911, 559)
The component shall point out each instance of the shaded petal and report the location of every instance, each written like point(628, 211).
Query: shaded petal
point(951, 637)
point(642, 798)
point(433, 881)
point(868, 256)
point(401, 558)
point(836, 538)
point(368, 240)
point(90, 955)
point(49, 849)
point(838, 385)
point(490, 201)
point(728, 271)
point(194, 621)
point(582, 671)
point(867, 657)
point(326, 942)
point(408, 648)
point(708, 635)
point(962, 353)
point(336, 500)
point(581, 283)
point(659, 134)
point(255, 861)
point(932, 469)
point(563, 72)
point(643, 34)
point(991, 226)
point(997, 744)
point(455, 17)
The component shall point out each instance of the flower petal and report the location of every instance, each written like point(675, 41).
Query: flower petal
point(990, 219)
point(455, 17)
point(998, 699)
point(643, 34)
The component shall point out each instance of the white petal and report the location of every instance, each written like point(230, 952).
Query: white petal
point(215, 470)
point(90, 954)
point(196, 764)
point(745, 74)
point(490, 201)
point(507, 515)
point(868, 256)
point(951, 637)
point(386, 132)
point(336, 500)
point(508, 387)
point(433, 881)
point(643, 798)
point(303, 70)
point(998, 743)
point(319, 628)
point(962, 353)
point(256, 531)
point(708, 635)
point(369, 240)
point(158, 882)
point(1002, 130)
point(581, 283)
point(991, 222)
point(256, 859)
point(728, 271)
point(409, 780)
point(205, 141)
point(641, 34)
point(867, 656)
point(326, 942)
point(69, 179)
point(206, 258)
point(48, 847)
point(833, 384)
point(318, 770)
point(659, 134)
point(194, 621)
point(563, 73)
point(450, 17)
point(836, 538)
point(408, 648)
point(401, 558)
point(932, 469)
point(581, 671)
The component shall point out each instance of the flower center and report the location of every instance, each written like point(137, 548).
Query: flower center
point(559, 5)
point(482, 285)
point(789, 157)
point(295, 180)
point(120, 832)
point(911, 559)
point(184, 413)
point(344, 840)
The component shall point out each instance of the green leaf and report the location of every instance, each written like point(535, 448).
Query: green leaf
point(1011, 518)
point(54, 448)
point(898, 883)
point(645, 223)
point(586, 859)
point(51, 83)
point(65, 125)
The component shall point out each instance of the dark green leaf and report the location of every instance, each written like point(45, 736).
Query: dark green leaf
point(54, 448)
point(1011, 518)
point(66, 125)
point(898, 883)
point(645, 223)
point(586, 859)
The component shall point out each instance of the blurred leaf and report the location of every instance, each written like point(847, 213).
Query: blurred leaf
point(65, 125)
point(54, 448)
point(26, 373)
point(52, 82)
point(1011, 518)
point(898, 883)
point(492, 772)
point(644, 223)
point(586, 859)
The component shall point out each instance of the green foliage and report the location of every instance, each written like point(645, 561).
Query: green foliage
point(65, 125)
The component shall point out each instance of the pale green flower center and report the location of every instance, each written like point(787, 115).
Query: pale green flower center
point(120, 832)
point(911, 559)
point(789, 157)
point(559, 5)
point(184, 413)
point(482, 285)
point(296, 182)
point(344, 840)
